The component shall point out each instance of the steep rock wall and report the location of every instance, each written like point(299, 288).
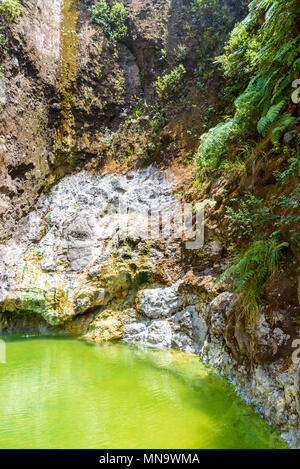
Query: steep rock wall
point(29, 78)
point(63, 263)
point(66, 94)
point(59, 91)
point(72, 264)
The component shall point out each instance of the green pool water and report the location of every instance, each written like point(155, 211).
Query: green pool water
point(65, 393)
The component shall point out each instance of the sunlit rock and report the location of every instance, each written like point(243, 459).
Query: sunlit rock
point(159, 302)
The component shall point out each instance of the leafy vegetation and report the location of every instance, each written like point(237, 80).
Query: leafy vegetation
point(260, 63)
point(263, 48)
point(262, 223)
point(213, 143)
point(256, 218)
point(251, 268)
point(282, 126)
point(111, 19)
point(10, 10)
point(181, 53)
point(217, 20)
point(169, 83)
point(251, 214)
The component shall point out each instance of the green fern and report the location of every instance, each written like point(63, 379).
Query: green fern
point(265, 122)
point(296, 65)
point(10, 10)
point(281, 85)
point(250, 270)
point(212, 144)
point(285, 121)
point(267, 54)
point(169, 83)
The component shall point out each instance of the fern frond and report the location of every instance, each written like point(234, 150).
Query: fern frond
point(251, 269)
point(285, 121)
point(265, 122)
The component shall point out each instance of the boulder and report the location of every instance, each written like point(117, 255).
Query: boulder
point(159, 302)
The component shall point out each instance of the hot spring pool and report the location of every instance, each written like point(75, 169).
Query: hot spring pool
point(65, 393)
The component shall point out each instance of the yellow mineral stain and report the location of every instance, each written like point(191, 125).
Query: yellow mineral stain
point(64, 140)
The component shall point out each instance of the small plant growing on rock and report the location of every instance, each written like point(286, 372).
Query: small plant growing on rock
point(10, 10)
point(107, 137)
point(163, 56)
point(250, 270)
point(250, 214)
point(181, 53)
point(111, 19)
point(169, 83)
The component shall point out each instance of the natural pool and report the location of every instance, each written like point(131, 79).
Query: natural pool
point(65, 393)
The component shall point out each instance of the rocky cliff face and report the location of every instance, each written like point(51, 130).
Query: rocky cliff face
point(66, 94)
point(78, 264)
point(76, 152)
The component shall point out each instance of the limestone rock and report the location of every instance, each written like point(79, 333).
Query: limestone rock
point(221, 303)
point(160, 333)
point(74, 257)
point(201, 285)
point(106, 326)
point(219, 311)
point(159, 302)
